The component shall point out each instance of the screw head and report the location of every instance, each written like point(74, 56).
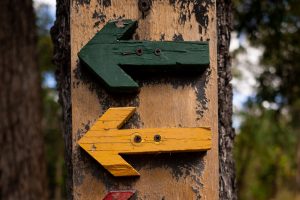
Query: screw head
point(139, 51)
point(137, 139)
point(144, 5)
point(157, 138)
point(157, 51)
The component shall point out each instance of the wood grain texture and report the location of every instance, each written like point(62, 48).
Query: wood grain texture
point(164, 101)
point(104, 142)
point(113, 118)
point(109, 55)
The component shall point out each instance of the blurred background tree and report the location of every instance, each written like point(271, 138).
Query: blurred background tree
point(51, 120)
point(267, 147)
point(22, 159)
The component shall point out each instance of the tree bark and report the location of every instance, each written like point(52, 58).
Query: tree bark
point(228, 188)
point(61, 39)
point(22, 164)
point(60, 34)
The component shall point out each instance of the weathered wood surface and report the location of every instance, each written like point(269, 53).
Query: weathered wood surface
point(104, 142)
point(61, 37)
point(164, 101)
point(109, 55)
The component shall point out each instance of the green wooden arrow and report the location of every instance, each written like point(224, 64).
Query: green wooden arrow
point(110, 49)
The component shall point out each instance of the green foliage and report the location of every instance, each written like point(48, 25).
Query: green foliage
point(274, 25)
point(264, 154)
point(266, 146)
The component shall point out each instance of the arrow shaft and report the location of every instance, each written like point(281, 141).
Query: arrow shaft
point(153, 53)
point(171, 140)
point(162, 54)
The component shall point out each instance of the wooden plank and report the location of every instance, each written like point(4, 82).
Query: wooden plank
point(105, 144)
point(113, 118)
point(106, 54)
point(164, 101)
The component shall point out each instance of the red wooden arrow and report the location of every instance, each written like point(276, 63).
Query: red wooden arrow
point(119, 195)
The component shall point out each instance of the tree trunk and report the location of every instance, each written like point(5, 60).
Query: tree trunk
point(22, 164)
point(60, 34)
point(228, 188)
point(62, 56)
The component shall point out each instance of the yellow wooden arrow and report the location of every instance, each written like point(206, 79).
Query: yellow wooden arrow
point(104, 141)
